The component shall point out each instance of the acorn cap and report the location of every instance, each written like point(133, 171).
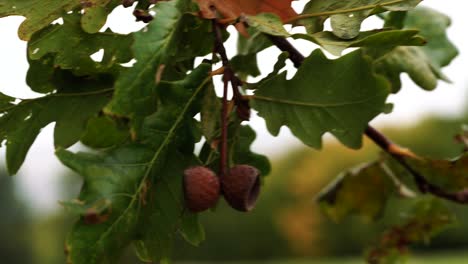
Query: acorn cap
point(241, 187)
point(201, 188)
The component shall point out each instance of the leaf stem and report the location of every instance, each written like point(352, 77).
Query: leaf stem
point(219, 48)
point(381, 140)
point(224, 130)
point(242, 104)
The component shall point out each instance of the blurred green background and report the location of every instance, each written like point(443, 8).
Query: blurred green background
point(286, 227)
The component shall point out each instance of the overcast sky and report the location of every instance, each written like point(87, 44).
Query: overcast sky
point(39, 175)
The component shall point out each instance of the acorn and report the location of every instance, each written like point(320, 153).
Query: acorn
point(201, 188)
point(241, 187)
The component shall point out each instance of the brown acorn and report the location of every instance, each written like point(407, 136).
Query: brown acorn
point(201, 188)
point(241, 187)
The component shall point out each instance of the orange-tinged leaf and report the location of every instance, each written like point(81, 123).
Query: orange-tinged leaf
point(232, 9)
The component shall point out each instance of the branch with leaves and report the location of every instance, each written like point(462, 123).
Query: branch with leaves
point(143, 183)
point(398, 153)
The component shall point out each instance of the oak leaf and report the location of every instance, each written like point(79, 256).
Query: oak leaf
point(232, 9)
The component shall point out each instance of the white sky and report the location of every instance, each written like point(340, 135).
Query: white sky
point(41, 170)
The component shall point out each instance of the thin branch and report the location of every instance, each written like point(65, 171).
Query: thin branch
point(224, 130)
point(242, 104)
point(424, 186)
point(379, 139)
point(219, 48)
point(243, 108)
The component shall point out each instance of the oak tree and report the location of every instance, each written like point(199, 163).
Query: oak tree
point(143, 184)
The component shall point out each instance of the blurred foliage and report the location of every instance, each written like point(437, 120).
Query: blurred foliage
point(433, 137)
point(14, 225)
point(287, 222)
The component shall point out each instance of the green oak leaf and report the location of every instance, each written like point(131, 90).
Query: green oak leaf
point(95, 14)
point(267, 23)
point(38, 14)
point(381, 39)
point(395, 19)
point(245, 65)
point(245, 62)
point(5, 102)
point(240, 139)
point(337, 96)
point(144, 185)
point(94, 19)
point(177, 99)
point(81, 208)
point(209, 114)
point(22, 123)
point(240, 152)
point(423, 64)
point(173, 36)
point(165, 213)
point(363, 191)
point(254, 44)
point(44, 77)
point(192, 230)
point(411, 60)
point(432, 25)
point(347, 16)
point(104, 132)
point(74, 53)
point(114, 176)
point(41, 73)
point(124, 199)
point(279, 65)
point(347, 26)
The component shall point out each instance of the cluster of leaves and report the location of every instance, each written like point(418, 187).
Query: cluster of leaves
point(140, 121)
point(388, 180)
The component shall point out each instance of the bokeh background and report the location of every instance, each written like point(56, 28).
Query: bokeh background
point(286, 226)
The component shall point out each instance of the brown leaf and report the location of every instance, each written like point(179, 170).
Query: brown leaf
point(232, 9)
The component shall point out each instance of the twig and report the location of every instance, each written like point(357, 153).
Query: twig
point(379, 139)
point(219, 48)
point(224, 130)
point(243, 108)
point(423, 185)
point(242, 104)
